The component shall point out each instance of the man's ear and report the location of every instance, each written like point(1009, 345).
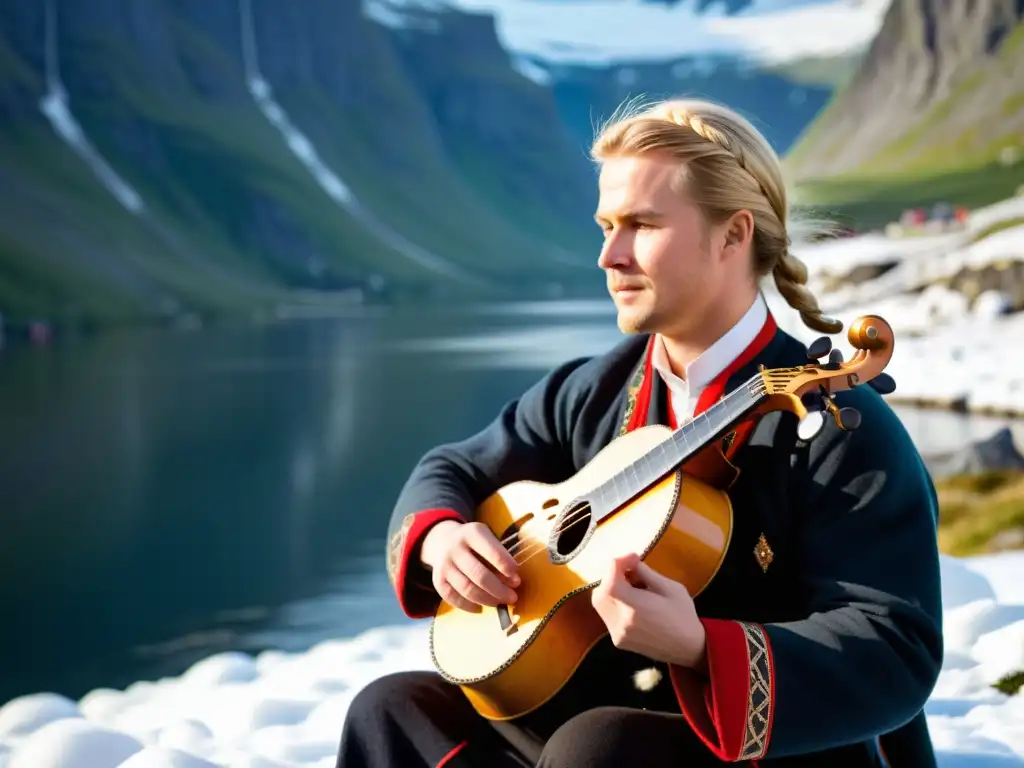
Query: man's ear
point(741, 228)
point(738, 234)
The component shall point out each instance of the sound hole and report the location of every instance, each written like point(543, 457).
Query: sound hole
point(572, 529)
point(510, 536)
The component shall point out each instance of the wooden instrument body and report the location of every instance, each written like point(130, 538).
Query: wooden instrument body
point(680, 526)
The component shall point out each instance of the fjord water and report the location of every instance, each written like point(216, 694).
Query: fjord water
point(171, 494)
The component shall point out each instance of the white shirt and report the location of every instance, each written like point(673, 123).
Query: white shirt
point(715, 359)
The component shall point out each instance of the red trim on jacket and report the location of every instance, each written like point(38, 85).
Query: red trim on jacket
point(713, 391)
point(716, 387)
point(643, 397)
point(417, 530)
point(455, 750)
point(732, 709)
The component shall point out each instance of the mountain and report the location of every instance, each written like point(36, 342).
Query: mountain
point(216, 154)
point(778, 105)
point(937, 100)
point(176, 158)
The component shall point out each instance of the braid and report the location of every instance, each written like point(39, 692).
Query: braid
point(791, 279)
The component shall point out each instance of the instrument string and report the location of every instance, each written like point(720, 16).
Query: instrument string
point(574, 519)
point(535, 546)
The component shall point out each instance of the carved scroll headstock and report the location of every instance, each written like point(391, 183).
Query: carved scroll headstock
point(808, 390)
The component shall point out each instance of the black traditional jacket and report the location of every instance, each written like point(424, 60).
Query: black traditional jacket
point(824, 623)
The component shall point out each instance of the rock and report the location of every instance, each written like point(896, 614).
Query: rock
point(994, 453)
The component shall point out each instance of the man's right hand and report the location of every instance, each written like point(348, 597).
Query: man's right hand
point(470, 567)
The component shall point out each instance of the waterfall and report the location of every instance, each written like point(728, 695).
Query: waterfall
point(325, 177)
point(55, 105)
point(56, 108)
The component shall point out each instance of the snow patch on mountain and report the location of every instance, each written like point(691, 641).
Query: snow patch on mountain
point(598, 32)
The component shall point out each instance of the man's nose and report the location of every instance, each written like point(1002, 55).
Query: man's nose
point(617, 250)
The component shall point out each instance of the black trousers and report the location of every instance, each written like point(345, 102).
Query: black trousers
point(418, 720)
point(601, 719)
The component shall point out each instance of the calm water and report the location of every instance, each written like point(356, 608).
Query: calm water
point(167, 495)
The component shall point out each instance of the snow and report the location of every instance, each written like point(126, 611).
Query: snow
point(306, 153)
point(278, 710)
point(947, 350)
point(57, 109)
point(598, 32)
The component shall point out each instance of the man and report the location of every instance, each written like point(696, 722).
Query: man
point(822, 629)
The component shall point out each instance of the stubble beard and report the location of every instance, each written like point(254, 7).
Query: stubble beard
point(633, 320)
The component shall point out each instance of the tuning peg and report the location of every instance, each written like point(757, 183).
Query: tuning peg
point(883, 384)
point(849, 419)
point(810, 425)
point(820, 347)
point(835, 356)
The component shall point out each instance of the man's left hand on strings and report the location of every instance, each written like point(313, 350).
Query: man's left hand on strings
point(650, 614)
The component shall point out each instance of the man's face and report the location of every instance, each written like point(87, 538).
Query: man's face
point(659, 254)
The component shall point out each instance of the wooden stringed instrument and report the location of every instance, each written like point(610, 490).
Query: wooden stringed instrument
point(648, 492)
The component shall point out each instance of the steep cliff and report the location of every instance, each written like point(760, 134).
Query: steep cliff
point(939, 89)
point(780, 107)
point(221, 155)
point(182, 157)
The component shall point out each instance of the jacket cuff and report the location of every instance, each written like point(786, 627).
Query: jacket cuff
point(730, 709)
point(416, 595)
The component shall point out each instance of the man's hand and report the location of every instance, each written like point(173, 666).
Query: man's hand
point(470, 567)
point(650, 614)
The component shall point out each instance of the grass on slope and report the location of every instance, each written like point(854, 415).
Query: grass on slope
point(938, 160)
point(939, 141)
point(981, 513)
point(1011, 684)
point(453, 204)
point(69, 251)
point(232, 213)
point(224, 168)
point(231, 150)
point(428, 207)
point(997, 226)
point(475, 165)
point(873, 201)
point(393, 168)
point(528, 166)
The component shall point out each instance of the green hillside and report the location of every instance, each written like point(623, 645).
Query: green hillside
point(233, 221)
point(887, 140)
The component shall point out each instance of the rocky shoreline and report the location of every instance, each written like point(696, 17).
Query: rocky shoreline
point(960, 404)
point(996, 453)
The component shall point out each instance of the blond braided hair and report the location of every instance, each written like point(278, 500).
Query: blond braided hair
point(727, 166)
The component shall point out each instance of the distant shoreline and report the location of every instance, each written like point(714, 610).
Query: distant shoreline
point(957, 405)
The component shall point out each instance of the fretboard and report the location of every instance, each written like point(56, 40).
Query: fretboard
point(685, 442)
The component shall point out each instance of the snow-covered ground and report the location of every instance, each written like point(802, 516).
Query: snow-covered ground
point(945, 350)
point(278, 710)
